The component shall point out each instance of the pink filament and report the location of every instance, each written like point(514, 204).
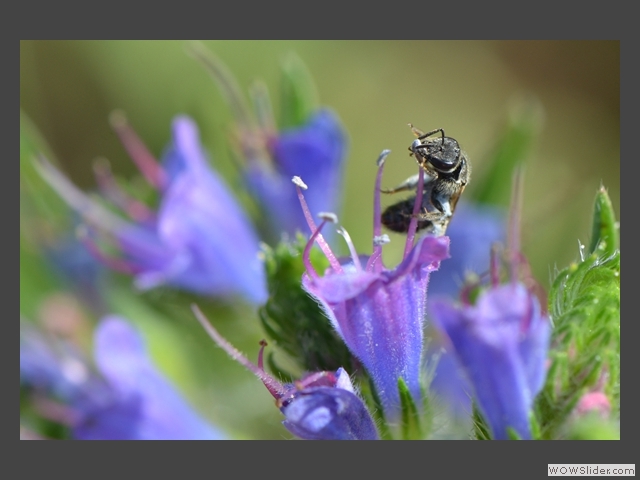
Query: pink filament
point(133, 208)
point(315, 235)
point(276, 389)
point(413, 226)
point(138, 151)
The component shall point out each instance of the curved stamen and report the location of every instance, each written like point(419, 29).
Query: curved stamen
point(79, 201)
point(136, 210)
point(306, 255)
point(138, 151)
point(377, 213)
point(226, 81)
point(114, 263)
point(276, 389)
point(352, 249)
point(324, 246)
point(372, 263)
point(494, 265)
point(515, 220)
point(263, 343)
point(413, 225)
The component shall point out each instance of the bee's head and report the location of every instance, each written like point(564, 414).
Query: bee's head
point(443, 154)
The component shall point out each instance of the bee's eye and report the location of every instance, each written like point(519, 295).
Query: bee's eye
point(443, 156)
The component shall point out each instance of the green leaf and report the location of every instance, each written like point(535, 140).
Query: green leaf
point(604, 235)
point(295, 321)
point(297, 92)
point(43, 217)
point(513, 148)
point(584, 305)
point(480, 426)
point(411, 428)
point(512, 434)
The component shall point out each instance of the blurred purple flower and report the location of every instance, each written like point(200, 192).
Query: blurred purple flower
point(129, 399)
point(314, 151)
point(379, 313)
point(199, 240)
point(501, 343)
point(320, 406)
point(472, 232)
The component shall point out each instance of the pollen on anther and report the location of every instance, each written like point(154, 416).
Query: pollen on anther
point(380, 240)
point(298, 181)
point(328, 216)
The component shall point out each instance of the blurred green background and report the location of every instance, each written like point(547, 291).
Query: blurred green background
point(469, 88)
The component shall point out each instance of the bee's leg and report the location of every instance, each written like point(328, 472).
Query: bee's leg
point(439, 218)
point(428, 134)
point(409, 184)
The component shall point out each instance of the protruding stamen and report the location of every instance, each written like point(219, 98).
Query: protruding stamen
point(328, 216)
point(494, 265)
point(377, 210)
point(324, 246)
point(352, 249)
point(226, 82)
point(298, 181)
point(515, 220)
point(276, 389)
point(469, 285)
point(263, 343)
point(264, 112)
point(413, 225)
point(138, 151)
point(136, 210)
point(77, 199)
point(381, 240)
point(114, 263)
point(306, 255)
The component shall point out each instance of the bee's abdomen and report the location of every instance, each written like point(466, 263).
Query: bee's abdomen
point(397, 217)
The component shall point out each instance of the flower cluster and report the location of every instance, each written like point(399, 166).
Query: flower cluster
point(379, 313)
point(199, 239)
point(128, 398)
point(375, 346)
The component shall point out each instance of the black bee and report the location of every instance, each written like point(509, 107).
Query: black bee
point(446, 173)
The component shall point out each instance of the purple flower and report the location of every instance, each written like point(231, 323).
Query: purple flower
point(129, 399)
point(314, 151)
point(501, 343)
point(199, 240)
point(379, 313)
point(472, 231)
point(320, 406)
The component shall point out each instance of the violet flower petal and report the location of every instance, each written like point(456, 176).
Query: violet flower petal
point(380, 316)
point(316, 152)
point(145, 406)
point(325, 413)
point(502, 344)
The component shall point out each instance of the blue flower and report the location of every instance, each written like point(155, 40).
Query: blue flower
point(129, 399)
point(313, 147)
point(199, 240)
point(378, 312)
point(320, 406)
point(314, 151)
point(501, 343)
point(473, 230)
